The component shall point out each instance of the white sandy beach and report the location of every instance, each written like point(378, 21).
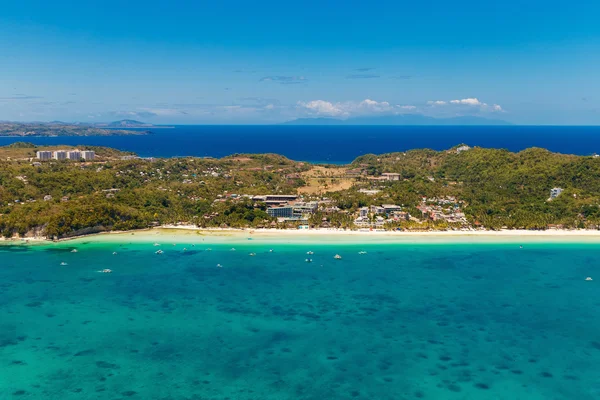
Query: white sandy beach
point(190, 233)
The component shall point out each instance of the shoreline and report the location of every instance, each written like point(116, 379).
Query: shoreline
point(326, 236)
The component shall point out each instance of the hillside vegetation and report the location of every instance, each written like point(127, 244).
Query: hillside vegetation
point(500, 188)
point(496, 188)
point(62, 198)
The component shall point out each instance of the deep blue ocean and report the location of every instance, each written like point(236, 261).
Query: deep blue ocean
point(336, 144)
point(455, 321)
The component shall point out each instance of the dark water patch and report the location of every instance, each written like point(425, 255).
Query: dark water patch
point(482, 386)
point(85, 353)
point(377, 298)
point(5, 342)
point(516, 371)
point(453, 387)
point(460, 364)
point(188, 253)
point(106, 365)
point(14, 248)
point(58, 250)
point(19, 393)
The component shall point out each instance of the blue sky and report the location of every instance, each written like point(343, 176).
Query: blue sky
point(534, 62)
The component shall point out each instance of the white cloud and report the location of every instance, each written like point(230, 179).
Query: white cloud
point(375, 106)
point(407, 107)
point(348, 108)
point(322, 107)
point(469, 102)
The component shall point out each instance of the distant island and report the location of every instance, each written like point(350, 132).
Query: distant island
point(58, 128)
point(405, 119)
point(125, 123)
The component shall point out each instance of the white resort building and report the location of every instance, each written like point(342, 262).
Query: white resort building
point(74, 155)
point(88, 155)
point(59, 155)
point(555, 192)
point(44, 155)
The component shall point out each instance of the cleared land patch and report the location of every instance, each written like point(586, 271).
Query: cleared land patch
point(322, 180)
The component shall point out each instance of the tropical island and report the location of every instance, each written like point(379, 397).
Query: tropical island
point(460, 189)
point(58, 128)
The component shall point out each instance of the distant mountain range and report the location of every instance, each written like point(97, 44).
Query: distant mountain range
point(125, 123)
point(405, 119)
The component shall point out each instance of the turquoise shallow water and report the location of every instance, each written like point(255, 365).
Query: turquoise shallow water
point(410, 321)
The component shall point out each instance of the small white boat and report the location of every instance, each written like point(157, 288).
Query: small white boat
point(308, 260)
point(114, 253)
point(271, 250)
point(362, 252)
point(337, 257)
point(219, 266)
point(156, 244)
point(74, 251)
point(310, 253)
point(106, 271)
point(158, 252)
point(63, 263)
point(232, 249)
point(252, 254)
point(208, 249)
point(589, 278)
point(184, 249)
